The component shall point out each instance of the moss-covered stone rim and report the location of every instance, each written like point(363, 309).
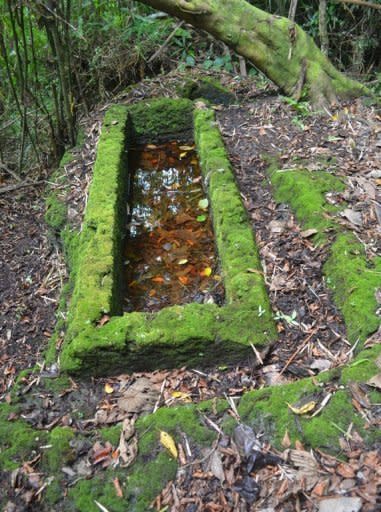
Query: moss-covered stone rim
point(351, 276)
point(176, 335)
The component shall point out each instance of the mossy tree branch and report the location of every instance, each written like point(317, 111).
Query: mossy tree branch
point(275, 45)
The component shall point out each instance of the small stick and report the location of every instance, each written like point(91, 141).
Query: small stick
point(296, 353)
point(10, 188)
point(257, 354)
point(171, 35)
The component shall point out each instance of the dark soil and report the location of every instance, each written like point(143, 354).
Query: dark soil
point(312, 334)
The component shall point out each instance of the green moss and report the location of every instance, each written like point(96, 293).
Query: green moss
point(58, 455)
point(99, 488)
point(207, 88)
point(56, 212)
point(160, 119)
point(96, 284)
point(111, 434)
point(17, 440)
point(177, 335)
point(363, 367)
point(354, 281)
point(305, 192)
point(267, 411)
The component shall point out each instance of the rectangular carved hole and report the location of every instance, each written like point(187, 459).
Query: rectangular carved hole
point(169, 250)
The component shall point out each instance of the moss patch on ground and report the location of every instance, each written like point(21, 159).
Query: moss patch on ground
point(208, 89)
point(354, 281)
point(353, 278)
point(17, 439)
point(305, 191)
point(177, 335)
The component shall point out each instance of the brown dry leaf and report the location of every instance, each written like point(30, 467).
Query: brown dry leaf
point(320, 488)
point(118, 488)
point(140, 396)
point(216, 467)
point(309, 232)
point(375, 381)
point(286, 441)
point(354, 217)
point(308, 468)
point(345, 470)
point(104, 320)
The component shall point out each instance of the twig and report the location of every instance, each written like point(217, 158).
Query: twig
point(171, 35)
point(10, 188)
point(257, 354)
point(296, 353)
point(9, 171)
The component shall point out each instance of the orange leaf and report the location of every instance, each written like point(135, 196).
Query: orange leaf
point(158, 279)
point(206, 272)
point(184, 280)
point(118, 488)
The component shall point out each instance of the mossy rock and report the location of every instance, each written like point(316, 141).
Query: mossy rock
point(208, 89)
point(160, 120)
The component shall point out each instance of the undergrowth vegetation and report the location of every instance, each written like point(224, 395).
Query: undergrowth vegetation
point(58, 60)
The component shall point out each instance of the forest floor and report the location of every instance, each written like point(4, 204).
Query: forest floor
point(312, 335)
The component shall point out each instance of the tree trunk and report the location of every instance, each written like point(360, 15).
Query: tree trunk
point(275, 45)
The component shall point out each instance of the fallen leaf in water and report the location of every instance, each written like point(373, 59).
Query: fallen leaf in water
point(167, 441)
point(158, 279)
point(108, 388)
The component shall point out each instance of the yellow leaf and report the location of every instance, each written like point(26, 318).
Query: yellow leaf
point(183, 261)
point(304, 409)
point(184, 153)
point(206, 272)
point(186, 148)
point(167, 441)
point(181, 396)
point(335, 117)
point(108, 388)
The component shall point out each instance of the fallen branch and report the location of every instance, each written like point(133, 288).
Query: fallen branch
point(171, 35)
point(9, 171)
point(363, 3)
point(10, 188)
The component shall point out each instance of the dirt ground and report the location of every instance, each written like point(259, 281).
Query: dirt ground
point(32, 272)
